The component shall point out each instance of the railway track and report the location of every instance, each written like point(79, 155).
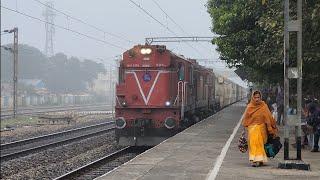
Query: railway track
point(103, 165)
point(3, 110)
point(39, 110)
point(28, 146)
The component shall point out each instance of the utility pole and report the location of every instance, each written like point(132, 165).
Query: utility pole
point(49, 15)
point(15, 71)
point(15, 67)
point(286, 80)
point(0, 59)
point(292, 73)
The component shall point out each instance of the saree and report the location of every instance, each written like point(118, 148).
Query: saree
point(257, 137)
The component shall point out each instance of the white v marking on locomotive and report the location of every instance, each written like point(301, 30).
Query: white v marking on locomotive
point(146, 99)
point(154, 83)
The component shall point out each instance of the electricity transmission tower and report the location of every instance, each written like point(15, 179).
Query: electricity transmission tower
point(49, 15)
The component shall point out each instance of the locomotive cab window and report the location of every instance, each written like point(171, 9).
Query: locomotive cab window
point(181, 72)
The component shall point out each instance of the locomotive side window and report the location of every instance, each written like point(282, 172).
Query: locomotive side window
point(121, 75)
point(204, 87)
point(191, 74)
point(209, 79)
point(181, 72)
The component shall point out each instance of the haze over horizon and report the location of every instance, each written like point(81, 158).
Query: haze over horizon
point(119, 24)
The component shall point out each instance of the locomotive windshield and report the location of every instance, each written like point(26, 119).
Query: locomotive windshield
point(181, 72)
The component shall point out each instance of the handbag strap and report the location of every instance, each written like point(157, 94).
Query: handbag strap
point(243, 132)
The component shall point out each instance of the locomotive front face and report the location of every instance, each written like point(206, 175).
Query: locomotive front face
point(145, 111)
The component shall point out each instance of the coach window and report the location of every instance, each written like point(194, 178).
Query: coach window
point(181, 72)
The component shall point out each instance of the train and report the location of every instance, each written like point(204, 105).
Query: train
point(160, 93)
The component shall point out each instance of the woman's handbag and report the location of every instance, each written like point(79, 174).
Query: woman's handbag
point(243, 143)
point(273, 146)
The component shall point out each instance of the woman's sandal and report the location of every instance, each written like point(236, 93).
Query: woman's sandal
point(256, 164)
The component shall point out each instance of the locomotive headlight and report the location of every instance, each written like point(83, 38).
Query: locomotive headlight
point(120, 123)
point(124, 103)
point(145, 51)
point(168, 103)
point(169, 123)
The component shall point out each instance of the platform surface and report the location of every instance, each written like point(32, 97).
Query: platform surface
point(208, 150)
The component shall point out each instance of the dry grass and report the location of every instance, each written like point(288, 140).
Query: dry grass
point(19, 122)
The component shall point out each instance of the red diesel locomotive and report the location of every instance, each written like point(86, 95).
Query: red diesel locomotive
point(159, 93)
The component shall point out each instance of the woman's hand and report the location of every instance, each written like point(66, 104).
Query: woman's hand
point(274, 136)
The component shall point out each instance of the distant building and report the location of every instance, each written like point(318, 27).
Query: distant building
point(99, 85)
point(6, 89)
point(104, 84)
point(37, 85)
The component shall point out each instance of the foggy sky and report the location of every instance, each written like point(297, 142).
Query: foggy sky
point(119, 17)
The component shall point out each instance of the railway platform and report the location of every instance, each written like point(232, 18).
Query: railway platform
point(208, 150)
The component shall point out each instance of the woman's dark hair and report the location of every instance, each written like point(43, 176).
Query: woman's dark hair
point(257, 92)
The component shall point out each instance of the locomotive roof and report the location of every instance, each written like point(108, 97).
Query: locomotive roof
point(192, 61)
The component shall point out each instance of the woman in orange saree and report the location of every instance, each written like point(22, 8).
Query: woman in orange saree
point(259, 123)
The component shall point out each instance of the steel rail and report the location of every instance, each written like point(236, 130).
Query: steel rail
point(38, 110)
point(96, 164)
point(53, 107)
point(51, 136)
point(3, 116)
point(24, 152)
point(38, 113)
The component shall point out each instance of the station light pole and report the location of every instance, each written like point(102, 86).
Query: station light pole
point(15, 68)
point(292, 73)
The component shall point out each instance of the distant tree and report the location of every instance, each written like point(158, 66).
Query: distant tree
point(6, 65)
point(31, 63)
point(56, 78)
point(90, 69)
point(71, 75)
point(60, 73)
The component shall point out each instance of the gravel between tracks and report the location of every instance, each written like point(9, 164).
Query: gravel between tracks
point(24, 132)
point(57, 161)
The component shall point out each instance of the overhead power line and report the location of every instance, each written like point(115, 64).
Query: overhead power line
point(65, 28)
point(166, 27)
point(150, 15)
point(170, 17)
point(180, 27)
point(83, 22)
point(167, 15)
